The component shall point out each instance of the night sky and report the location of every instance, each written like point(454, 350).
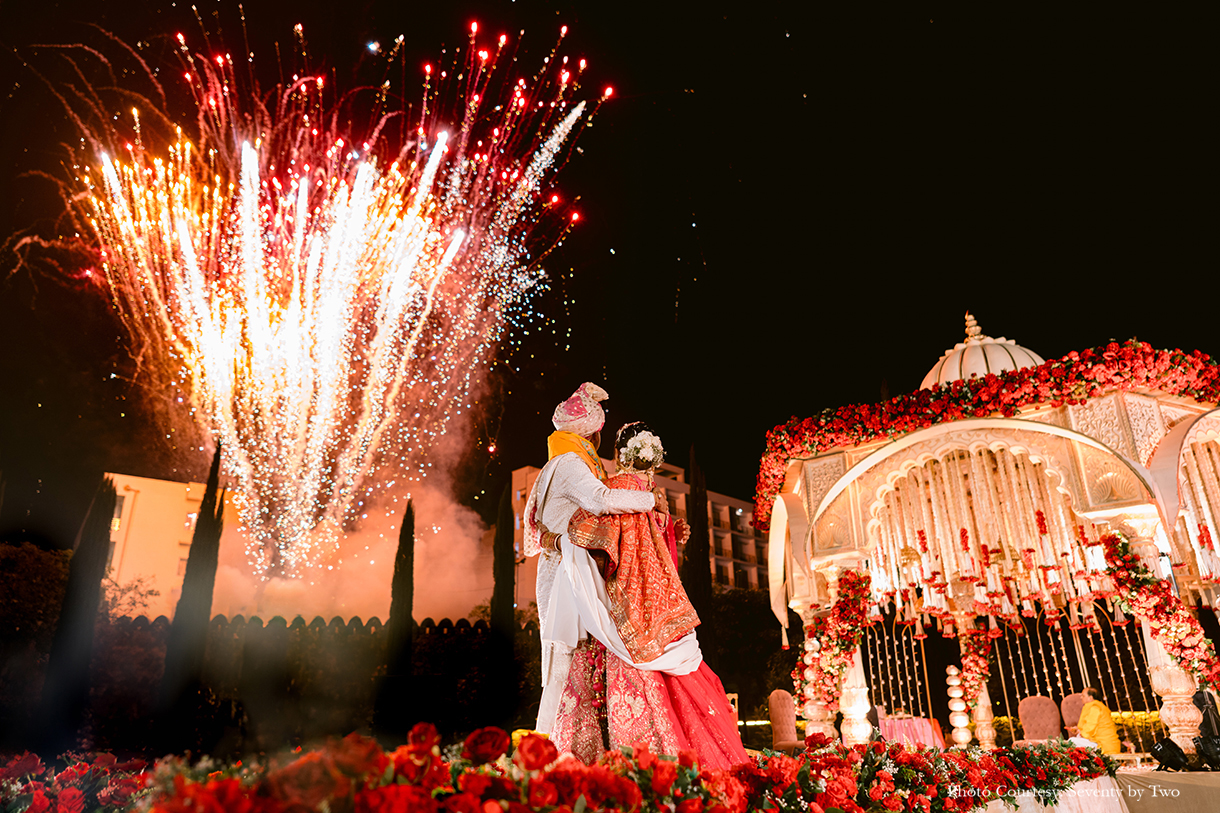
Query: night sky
point(781, 212)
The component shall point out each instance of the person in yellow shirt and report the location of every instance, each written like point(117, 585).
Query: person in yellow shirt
point(1096, 724)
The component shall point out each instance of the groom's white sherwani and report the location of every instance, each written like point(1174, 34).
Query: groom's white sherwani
point(565, 484)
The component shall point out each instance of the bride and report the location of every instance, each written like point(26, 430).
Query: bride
point(637, 675)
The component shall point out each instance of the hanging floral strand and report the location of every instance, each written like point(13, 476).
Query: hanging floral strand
point(976, 652)
point(837, 637)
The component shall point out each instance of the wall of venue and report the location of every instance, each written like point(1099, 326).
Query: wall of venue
point(278, 683)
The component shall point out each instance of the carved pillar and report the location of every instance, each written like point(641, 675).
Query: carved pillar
point(958, 717)
point(984, 730)
point(818, 719)
point(855, 704)
point(1140, 526)
point(1176, 687)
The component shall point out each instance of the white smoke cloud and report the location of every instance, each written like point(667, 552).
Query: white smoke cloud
point(453, 560)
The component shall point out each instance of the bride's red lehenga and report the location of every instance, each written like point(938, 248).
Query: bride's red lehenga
point(637, 556)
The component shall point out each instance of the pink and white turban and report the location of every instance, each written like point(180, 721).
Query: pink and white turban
point(581, 414)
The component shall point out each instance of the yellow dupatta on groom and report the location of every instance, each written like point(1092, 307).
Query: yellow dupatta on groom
point(563, 442)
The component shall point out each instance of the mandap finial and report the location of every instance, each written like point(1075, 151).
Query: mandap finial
point(973, 331)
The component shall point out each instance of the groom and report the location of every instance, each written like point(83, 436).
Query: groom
point(571, 479)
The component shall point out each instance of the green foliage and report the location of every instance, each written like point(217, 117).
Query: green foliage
point(32, 582)
point(746, 645)
point(128, 599)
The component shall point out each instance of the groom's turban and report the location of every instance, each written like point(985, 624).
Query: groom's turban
point(581, 414)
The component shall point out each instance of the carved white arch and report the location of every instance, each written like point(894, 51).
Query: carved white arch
point(788, 522)
point(1165, 465)
point(962, 434)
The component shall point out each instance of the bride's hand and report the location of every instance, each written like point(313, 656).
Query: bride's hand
point(662, 502)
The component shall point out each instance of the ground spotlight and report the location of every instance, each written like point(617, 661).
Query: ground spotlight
point(1208, 747)
point(1170, 755)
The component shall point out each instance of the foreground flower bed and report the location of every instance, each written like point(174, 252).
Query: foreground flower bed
point(355, 775)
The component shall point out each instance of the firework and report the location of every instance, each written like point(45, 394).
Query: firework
point(319, 304)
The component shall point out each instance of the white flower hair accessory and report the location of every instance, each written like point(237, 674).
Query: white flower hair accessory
point(643, 451)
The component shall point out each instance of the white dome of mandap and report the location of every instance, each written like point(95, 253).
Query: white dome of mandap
point(979, 355)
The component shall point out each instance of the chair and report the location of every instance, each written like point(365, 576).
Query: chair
point(782, 710)
point(1071, 706)
point(1040, 720)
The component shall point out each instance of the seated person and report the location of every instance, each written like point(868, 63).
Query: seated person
point(1096, 725)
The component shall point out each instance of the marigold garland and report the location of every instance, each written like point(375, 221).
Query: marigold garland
point(838, 634)
point(1151, 599)
point(1073, 379)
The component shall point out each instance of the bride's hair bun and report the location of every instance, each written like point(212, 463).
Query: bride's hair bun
point(638, 447)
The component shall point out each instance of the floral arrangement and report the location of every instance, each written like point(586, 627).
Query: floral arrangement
point(895, 776)
point(1151, 599)
point(1073, 379)
point(102, 784)
point(836, 636)
point(644, 448)
point(976, 648)
point(357, 776)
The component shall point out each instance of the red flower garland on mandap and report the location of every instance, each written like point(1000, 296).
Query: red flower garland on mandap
point(976, 647)
point(1073, 379)
point(820, 674)
point(1151, 599)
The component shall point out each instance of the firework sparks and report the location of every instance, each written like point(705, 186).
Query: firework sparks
point(320, 311)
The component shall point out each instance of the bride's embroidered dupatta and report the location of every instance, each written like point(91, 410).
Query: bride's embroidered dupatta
point(647, 601)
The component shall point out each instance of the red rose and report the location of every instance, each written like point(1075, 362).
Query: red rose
point(664, 774)
point(728, 790)
point(39, 803)
point(358, 757)
point(817, 740)
point(688, 759)
point(535, 752)
point(474, 783)
point(643, 757)
point(307, 781)
point(486, 745)
point(395, 799)
point(463, 803)
point(120, 790)
point(24, 765)
point(543, 793)
point(690, 806)
point(424, 736)
point(71, 800)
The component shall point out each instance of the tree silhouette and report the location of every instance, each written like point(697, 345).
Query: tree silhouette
point(503, 621)
point(65, 693)
point(393, 713)
point(696, 572)
point(182, 694)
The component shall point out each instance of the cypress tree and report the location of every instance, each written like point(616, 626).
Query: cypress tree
point(181, 689)
point(502, 610)
point(65, 693)
point(696, 572)
point(391, 710)
point(503, 568)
